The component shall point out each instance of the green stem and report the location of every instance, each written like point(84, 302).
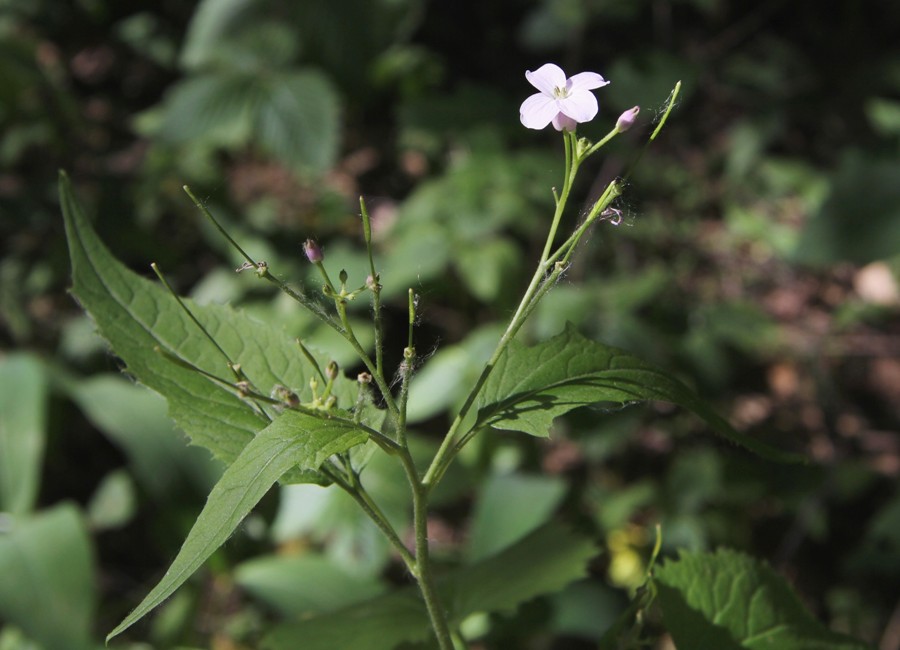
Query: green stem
point(406, 368)
point(262, 270)
point(422, 572)
point(449, 448)
point(670, 104)
point(358, 493)
point(367, 361)
point(375, 287)
point(572, 163)
point(565, 250)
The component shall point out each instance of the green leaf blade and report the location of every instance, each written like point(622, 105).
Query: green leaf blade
point(531, 386)
point(295, 439)
point(137, 316)
point(48, 584)
point(730, 601)
point(23, 396)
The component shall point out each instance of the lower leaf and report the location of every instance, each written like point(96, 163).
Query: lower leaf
point(730, 601)
point(295, 439)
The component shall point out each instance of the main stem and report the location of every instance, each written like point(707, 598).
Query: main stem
point(423, 573)
point(448, 448)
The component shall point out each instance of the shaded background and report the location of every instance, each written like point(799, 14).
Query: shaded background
point(758, 257)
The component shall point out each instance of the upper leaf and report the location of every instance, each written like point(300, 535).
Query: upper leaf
point(294, 439)
point(730, 601)
point(137, 316)
point(530, 386)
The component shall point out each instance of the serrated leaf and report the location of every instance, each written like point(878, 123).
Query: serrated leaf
point(295, 439)
point(530, 386)
point(136, 316)
point(543, 562)
point(211, 24)
point(23, 415)
point(216, 107)
point(48, 586)
point(729, 601)
point(238, 34)
point(298, 120)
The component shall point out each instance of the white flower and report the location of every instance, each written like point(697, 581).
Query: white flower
point(564, 102)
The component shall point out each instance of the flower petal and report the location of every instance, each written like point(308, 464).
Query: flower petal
point(563, 121)
point(547, 78)
point(580, 105)
point(586, 81)
point(537, 111)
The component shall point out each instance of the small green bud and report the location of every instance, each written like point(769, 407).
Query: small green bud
point(582, 146)
point(331, 370)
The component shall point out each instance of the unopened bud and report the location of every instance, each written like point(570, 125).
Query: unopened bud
point(313, 251)
point(364, 378)
point(285, 395)
point(342, 276)
point(331, 370)
point(626, 119)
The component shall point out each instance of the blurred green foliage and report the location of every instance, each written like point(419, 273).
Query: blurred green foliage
point(759, 257)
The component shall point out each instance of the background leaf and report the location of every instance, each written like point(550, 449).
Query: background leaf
point(48, 585)
point(298, 121)
point(530, 386)
point(23, 415)
point(543, 562)
point(728, 600)
point(294, 439)
point(304, 584)
point(215, 107)
point(135, 419)
point(508, 508)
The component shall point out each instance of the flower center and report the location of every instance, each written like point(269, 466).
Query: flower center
point(560, 92)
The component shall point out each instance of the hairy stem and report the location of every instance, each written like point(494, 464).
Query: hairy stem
point(423, 575)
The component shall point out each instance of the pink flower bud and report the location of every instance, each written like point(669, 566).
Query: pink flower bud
point(313, 251)
point(626, 119)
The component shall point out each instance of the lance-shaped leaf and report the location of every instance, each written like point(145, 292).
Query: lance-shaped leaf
point(530, 386)
point(295, 439)
point(730, 601)
point(138, 317)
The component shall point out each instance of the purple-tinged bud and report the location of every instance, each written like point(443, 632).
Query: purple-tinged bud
point(331, 370)
point(313, 251)
point(626, 119)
